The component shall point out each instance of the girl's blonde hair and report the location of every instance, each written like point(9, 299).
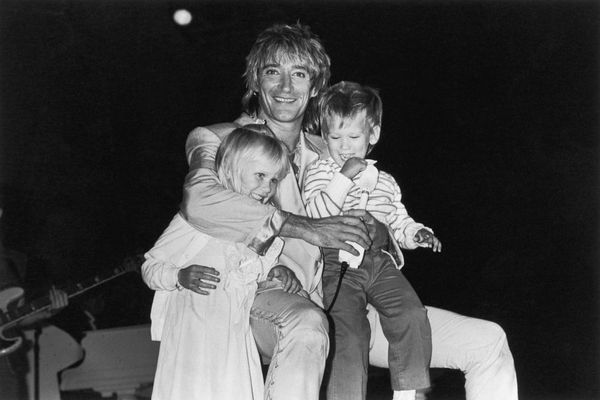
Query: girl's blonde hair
point(245, 144)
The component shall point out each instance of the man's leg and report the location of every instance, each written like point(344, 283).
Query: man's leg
point(477, 347)
point(291, 332)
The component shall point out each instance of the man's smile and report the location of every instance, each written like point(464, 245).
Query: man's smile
point(284, 99)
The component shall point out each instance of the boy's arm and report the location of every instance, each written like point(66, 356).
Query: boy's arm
point(402, 225)
point(217, 211)
point(324, 190)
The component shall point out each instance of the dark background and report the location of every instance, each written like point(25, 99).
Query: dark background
point(490, 126)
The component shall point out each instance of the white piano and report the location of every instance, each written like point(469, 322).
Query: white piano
point(119, 361)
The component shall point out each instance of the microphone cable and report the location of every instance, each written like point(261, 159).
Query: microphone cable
point(344, 267)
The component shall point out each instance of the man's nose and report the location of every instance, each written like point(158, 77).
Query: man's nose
point(285, 81)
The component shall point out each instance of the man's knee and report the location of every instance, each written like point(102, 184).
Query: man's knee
point(311, 318)
point(311, 329)
point(490, 349)
point(492, 335)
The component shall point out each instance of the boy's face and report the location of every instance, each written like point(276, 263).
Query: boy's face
point(350, 137)
point(284, 90)
point(259, 179)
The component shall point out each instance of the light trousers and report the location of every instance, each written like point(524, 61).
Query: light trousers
point(291, 333)
point(477, 347)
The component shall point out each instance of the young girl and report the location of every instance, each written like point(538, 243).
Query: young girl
point(205, 286)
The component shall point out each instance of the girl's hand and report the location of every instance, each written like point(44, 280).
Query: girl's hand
point(291, 284)
point(193, 278)
point(353, 166)
point(425, 236)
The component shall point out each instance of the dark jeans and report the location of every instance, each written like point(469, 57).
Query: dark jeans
point(403, 319)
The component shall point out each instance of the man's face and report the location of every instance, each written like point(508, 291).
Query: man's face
point(350, 137)
point(284, 90)
point(259, 179)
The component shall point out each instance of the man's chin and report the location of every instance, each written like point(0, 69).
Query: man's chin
point(286, 116)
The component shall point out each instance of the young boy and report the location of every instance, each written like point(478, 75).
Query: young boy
point(350, 117)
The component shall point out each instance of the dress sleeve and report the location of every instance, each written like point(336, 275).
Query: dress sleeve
point(158, 274)
point(217, 211)
point(159, 270)
point(324, 191)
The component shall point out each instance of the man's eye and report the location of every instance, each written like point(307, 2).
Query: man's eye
point(354, 137)
point(334, 137)
point(260, 175)
point(300, 74)
point(270, 71)
point(275, 181)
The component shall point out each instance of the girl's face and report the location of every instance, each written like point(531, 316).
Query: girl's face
point(259, 179)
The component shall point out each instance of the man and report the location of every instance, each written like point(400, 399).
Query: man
point(13, 354)
point(286, 69)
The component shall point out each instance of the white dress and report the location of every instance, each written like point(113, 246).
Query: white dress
point(207, 350)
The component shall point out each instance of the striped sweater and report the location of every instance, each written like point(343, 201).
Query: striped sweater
point(327, 192)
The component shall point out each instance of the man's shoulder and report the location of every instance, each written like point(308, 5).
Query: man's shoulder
point(221, 129)
point(316, 144)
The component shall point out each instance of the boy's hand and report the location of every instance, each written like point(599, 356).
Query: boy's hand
point(353, 166)
point(424, 236)
point(193, 276)
point(291, 284)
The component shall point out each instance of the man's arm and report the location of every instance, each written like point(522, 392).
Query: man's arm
point(330, 232)
point(225, 214)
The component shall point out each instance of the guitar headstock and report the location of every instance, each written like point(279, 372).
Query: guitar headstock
point(132, 263)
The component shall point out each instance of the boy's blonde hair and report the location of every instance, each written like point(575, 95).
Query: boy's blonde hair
point(347, 99)
point(295, 43)
point(248, 143)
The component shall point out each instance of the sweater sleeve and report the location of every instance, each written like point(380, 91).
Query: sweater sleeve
point(324, 190)
point(402, 225)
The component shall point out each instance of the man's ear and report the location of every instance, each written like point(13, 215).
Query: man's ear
point(374, 136)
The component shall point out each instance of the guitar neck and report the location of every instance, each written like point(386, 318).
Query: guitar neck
point(43, 303)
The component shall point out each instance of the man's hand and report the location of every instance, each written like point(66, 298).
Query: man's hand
point(378, 231)
point(291, 284)
point(330, 232)
point(193, 278)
